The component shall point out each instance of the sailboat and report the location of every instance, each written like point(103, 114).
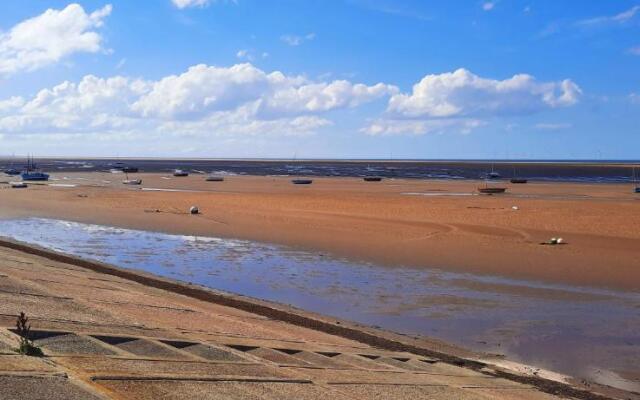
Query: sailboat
point(32, 173)
point(11, 171)
point(493, 174)
point(635, 182)
point(516, 179)
point(128, 181)
point(486, 189)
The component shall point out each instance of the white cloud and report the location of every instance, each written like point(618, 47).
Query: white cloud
point(295, 40)
point(51, 37)
point(11, 104)
point(250, 55)
point(461, 101)
point(620, 18)
point(488, 5)
point(204, 100)
point(244, 54)
point(181, 4)
point(207, 101)
point(93, 104)
point(462, 94)
point(634, 98)
point(203, 89)
point(121, 63)
point(385, 127)
point(553, 126)
point(634, 50)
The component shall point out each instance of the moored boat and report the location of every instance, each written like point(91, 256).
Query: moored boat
point(301, 181)
point(180, 172)
point(492, 190)
point(372, 178)
point(12, 171)
point(17, 185)
point(518, 180)
point(214, 179)
point(32, 173)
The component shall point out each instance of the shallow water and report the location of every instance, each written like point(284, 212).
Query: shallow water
point(584, 332)
point(587, 171)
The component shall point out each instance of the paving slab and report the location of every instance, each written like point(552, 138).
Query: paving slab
point(145, 390)
point(133, 367)
point(41, 388)
point(361, 362)
point(277, 357)
point(319, 360)
point(70, 343)
point(20, 363)
point(387, 392)
point(207, 352)
point(512, 394)
point(142, 347)
point(400, 364)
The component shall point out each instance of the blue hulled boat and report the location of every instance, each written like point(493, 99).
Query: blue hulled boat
point(31, 173)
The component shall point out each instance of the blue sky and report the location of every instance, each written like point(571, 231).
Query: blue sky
point(327, 79)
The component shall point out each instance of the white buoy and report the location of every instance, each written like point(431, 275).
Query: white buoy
point(194, 210)
point(516, 208)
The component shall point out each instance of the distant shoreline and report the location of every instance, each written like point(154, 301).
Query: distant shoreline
point(577, 162)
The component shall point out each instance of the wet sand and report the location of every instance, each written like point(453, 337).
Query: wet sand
point(417, 223)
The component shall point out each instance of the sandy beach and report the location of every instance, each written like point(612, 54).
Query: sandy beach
point(396, 222)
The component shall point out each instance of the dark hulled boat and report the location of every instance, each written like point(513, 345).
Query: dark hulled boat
point(492, 190)
point(12, 171)
point(301, 181)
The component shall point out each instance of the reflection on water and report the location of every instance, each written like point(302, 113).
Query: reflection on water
point(580, 331)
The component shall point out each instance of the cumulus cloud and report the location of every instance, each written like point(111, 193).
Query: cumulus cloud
point(245, 100)
point(51, 37)
point(461, 101)
point(202, 89)
point(462, 93)
point(295, 40)
point(203, 100)
point(181, 4)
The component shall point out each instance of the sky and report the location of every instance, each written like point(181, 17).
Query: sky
point(321, 79)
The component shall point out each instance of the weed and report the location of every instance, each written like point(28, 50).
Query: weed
point(23, 329)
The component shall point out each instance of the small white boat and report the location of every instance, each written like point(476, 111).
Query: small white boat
point(180, 172)
point(214, 179)
point(18, 185)
point(132, 181)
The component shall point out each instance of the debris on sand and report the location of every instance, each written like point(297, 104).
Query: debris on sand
point(555, 241)
point(194, 210)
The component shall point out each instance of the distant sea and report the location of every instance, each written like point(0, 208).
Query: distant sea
point(538, 170)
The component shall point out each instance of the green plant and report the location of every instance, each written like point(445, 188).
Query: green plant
point(23, 329)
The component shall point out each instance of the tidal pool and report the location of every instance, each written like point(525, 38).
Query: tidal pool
point(585, 332)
